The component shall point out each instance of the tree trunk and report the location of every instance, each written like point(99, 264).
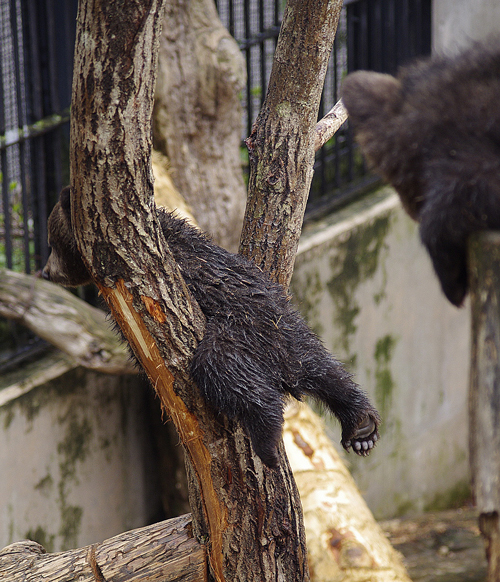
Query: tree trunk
point(282, 144)
point(333, 508)
point(249, 515)
point(198, 115)
point(484, 399)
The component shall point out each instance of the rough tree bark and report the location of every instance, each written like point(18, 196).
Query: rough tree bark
point(484, 396)
point(283, 139)
point(198, 116)
point(343, 539)
point(164, 551)
point(249, 514)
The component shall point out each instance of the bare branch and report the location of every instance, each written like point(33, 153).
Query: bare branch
point(73, 326)
point(330, 124)
point(281, 146)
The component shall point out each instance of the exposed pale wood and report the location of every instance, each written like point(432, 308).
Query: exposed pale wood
point(165, 552)
point(73, 326)
point(484, 409)
point(166, 194)
point(344, 542)
point(327, 127)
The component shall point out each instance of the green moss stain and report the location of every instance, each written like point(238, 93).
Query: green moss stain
point(384, 383)
point(74, 447)
point(41, 536)
point(33, 402)
point(452, 498)
point(404, 508)
point(355, 261)
point(284, 109)
point(72, 450)
point(8, 416)
point(306, 296)
point(45, 485)
point(71, 519)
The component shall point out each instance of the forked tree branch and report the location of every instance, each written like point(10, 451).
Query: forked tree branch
point(250, 515)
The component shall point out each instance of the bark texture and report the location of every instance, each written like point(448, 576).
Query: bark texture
point(343, 539)
point(249, 515)
point(484, 410)
point(198, 115)
point(282, 144)
point(164, 551)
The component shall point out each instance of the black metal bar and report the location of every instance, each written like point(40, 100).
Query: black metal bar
point(28, 132)
point(6, 211)
point(262, 52)
point(379, 34)
point(54, 147)
point(259, 37)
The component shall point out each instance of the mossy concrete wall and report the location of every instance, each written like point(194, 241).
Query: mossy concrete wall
point(76, 456)
point(365, 284)
point(458, 23)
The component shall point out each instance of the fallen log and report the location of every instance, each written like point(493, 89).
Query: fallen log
point(165, 551)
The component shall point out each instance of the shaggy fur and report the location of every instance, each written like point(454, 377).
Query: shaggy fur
point(434, 134)
point(256, 350)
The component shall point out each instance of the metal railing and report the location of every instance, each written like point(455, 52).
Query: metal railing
point(372, 34)
point(36, 58)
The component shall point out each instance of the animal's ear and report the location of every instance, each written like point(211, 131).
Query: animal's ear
point(366, 94)
point(65, 200)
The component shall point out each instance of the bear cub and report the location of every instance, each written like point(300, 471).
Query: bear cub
point(434, 134)
point(256, 350)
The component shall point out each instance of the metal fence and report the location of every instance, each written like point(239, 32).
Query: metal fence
point(36, 54)
point(379, 35)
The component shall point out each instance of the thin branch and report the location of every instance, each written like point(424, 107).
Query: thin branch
point(327, 127)
point(281, 145)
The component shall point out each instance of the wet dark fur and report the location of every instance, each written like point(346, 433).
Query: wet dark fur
point(434, 134)
point(256, 349)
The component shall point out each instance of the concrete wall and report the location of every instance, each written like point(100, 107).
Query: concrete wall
point(365, 284)
point(456, 23)
point(76, 458)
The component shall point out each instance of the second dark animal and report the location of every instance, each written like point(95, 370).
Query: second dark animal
point(434, 134)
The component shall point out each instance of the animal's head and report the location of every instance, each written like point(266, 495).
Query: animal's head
point(382, 123)
point(64, 265)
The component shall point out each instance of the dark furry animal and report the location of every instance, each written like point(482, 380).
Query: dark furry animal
point(256, 349)
point(434, 134)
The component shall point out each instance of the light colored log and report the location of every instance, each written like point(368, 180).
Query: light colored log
point(165, 552)
point(53, 313)
point(344, 542)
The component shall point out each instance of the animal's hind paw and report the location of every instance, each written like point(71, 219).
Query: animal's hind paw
point(364, 437)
